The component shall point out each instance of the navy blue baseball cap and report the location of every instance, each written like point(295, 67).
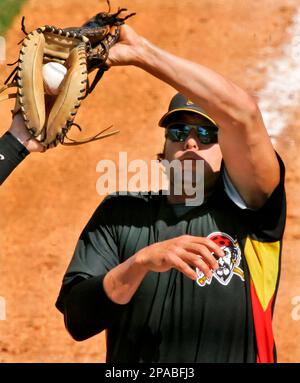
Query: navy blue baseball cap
point(180, 103)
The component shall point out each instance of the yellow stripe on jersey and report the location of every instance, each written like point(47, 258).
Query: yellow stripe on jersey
point(263, 262)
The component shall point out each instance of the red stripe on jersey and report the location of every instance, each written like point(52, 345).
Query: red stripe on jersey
point(263, 328)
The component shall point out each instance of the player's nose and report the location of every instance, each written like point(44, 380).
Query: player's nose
point(191, 142)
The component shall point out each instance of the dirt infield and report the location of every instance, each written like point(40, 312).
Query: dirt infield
point(50, 197)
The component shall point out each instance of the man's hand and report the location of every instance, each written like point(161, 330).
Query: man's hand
point(19, 131)
point(181, 253)
point(126, 51)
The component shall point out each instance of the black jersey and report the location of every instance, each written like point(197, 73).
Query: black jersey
point(171, 318)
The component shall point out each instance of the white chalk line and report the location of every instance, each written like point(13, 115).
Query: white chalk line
point(281, 94)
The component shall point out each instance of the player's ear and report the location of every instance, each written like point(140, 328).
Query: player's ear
point(161, 156)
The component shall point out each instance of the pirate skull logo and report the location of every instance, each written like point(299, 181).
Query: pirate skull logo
point(228, 265)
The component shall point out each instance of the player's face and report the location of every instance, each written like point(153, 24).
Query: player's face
point(194, 150)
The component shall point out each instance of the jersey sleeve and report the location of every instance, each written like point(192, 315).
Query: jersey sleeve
point(12, 153)
point(86, 307)
point(268, 222)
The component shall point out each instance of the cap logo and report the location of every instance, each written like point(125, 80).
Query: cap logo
point(189, 102)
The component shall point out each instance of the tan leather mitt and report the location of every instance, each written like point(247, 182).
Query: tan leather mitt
point(80, 50)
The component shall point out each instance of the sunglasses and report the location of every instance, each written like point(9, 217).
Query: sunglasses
point(178, 132)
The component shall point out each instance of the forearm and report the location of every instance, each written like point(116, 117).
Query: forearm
point(121, 282)
point(221, 98)
point(15, 145)
point(12, 153)
point(19, 131)
point(91, 305)
point(87, 309)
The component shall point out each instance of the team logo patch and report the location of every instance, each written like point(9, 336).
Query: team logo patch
point(228, 265)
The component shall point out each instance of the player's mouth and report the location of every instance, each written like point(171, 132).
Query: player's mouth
point(190, 155)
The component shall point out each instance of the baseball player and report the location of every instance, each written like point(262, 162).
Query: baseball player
point(176, 283)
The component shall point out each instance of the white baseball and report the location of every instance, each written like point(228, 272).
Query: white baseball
point(53, 75)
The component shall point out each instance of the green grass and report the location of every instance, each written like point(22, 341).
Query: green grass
point(8, 9)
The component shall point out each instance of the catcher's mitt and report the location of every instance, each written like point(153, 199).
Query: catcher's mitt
point(80, 50)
